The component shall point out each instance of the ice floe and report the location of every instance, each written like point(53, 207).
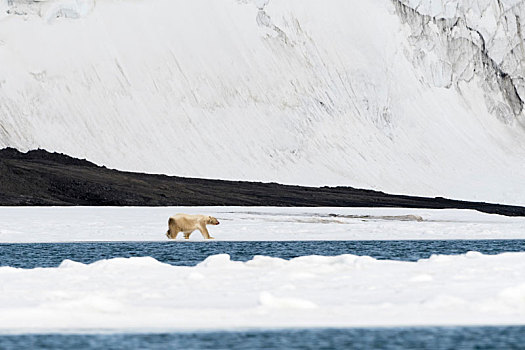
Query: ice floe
point(75, 224)
point(310, 291)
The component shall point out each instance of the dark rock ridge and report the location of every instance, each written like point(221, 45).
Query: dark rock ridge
point(42, 178)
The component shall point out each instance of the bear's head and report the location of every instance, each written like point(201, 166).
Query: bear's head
point(213, 221)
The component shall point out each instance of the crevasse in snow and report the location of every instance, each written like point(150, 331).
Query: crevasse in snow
point(417, 97)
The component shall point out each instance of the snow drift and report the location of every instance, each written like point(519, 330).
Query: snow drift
point(417, 97)
point(309, 291)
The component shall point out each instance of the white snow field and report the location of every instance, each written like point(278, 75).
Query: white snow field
point(77, 224)
point(145, 295)
point(415, 97)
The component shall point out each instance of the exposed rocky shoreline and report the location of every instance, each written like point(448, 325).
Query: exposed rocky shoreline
point(42, 178)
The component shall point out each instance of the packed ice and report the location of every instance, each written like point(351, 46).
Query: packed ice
point(79, 224)
point(141, 293)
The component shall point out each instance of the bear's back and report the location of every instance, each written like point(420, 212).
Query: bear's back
point(187, 220)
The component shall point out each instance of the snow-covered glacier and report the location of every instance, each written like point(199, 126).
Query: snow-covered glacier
point(407, 96)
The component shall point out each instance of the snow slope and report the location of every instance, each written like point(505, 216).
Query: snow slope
point(145, 295)
point(414, 96)
point(79, 224)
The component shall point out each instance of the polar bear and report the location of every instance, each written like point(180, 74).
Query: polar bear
point(188, 223)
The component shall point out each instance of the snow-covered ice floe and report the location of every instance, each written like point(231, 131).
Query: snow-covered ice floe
point(132, 294)
point(70, 224)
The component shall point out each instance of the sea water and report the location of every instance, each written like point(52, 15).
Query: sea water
point(181, 253)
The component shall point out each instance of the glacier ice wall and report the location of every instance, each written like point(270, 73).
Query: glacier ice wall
point(407, 96)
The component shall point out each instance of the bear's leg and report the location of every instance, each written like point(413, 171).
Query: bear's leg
point(173, 229)
point(205, 232)
point(187, 235)
point(172, 234)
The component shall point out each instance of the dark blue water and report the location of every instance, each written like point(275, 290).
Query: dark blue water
point(450, 338)
point(191, 253)
point(33, 255)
